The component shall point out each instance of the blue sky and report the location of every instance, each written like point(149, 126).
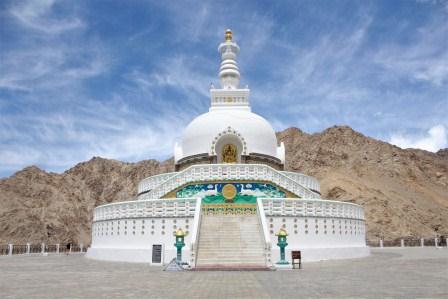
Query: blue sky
point(121, 79)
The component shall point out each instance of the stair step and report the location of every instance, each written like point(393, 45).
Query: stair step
point(232, 241)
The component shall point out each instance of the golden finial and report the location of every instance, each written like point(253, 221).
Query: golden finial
point(228, 35)
point(282, 232)
point(180, 233)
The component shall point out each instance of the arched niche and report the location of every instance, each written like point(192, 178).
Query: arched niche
point(227, 142)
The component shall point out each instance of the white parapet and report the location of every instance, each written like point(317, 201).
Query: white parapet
point(146, 208)
point(320, 229)
point(312, 207)
point(128, 231)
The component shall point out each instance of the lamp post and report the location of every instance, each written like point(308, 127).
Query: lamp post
point(282, 244)
point(180, 236)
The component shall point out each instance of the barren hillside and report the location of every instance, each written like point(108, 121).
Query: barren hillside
point(404, 192)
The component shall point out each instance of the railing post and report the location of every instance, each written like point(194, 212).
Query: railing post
point(70, 250)
point(57, 248)
point(436, 242)
point(381, 243)
point(28, 248)
point(81, 247)
point(42, 247)
point(422, 242)
point(402, 243)
point(10, 248)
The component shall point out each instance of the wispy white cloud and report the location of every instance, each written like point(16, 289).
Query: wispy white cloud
point(58, 140)
point(425, 58)
point(49, 56)
point(435, 139)
point(50, 66)
point(37, 15)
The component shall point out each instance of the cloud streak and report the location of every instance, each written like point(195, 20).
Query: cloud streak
point(37, 15)
point(435, 139)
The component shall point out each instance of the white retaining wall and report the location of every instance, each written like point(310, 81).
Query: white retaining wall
point(320, 229)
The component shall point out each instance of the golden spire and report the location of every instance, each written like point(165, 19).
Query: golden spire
point(228, 35)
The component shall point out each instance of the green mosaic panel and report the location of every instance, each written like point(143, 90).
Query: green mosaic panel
point(247, 193)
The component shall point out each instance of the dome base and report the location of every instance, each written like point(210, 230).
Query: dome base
point(252, 158)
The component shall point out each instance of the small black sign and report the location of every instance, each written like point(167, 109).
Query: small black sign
point(157, 254)
point(296, 259)
point(296, 255)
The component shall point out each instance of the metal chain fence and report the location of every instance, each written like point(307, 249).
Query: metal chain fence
point(409, 242)
point(37, 248)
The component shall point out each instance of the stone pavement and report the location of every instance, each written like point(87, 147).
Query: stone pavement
point(387, 273)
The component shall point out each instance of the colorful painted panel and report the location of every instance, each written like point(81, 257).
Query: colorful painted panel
point(212, 193)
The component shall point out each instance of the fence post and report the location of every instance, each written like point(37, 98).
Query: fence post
point(436, 242)
point(28, 248)
point(80, 247)
point(42, 246)
point(57, 248)
point(422, 242)
point(10, 248)
point(402, 243)
point(381, 243)
point(70, 250)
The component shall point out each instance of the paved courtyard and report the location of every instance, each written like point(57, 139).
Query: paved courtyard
point(387, 273)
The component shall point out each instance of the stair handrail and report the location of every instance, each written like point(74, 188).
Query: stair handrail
point(154, 180)
point(266, 236)
point(195, 232)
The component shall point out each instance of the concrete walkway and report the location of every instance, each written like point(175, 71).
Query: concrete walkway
point(387, 273)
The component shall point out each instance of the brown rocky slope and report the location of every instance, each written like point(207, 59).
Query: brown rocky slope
point(404, 192)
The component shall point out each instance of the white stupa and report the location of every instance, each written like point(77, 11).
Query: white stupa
point(230, 194)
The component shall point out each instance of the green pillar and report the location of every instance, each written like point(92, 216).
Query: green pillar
point(282, 244)
point(180, 236)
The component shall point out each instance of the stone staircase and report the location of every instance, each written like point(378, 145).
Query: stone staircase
point(230, 241)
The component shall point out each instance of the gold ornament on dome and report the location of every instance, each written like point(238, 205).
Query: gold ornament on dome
point(229, 192)
point(229, 152)
point(228, 35)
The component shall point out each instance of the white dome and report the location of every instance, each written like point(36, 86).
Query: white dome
point(229, 125)
point(255, 131)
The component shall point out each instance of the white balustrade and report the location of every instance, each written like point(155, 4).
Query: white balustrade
point(304, 180)
point(299, 207)
point(195, 233)
point(229, 172)
point(182, 207)
point(151, 182)
point(266, 235)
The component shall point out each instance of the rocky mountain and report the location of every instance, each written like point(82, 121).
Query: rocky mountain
point(404, 192)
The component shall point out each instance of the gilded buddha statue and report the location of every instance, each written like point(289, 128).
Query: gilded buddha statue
point(229, 152)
